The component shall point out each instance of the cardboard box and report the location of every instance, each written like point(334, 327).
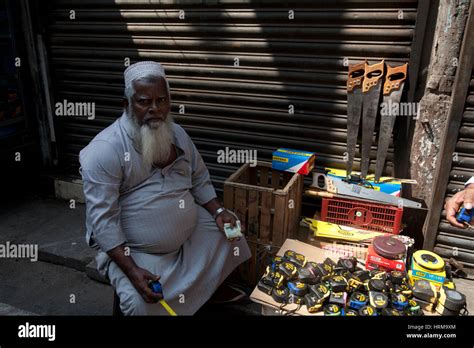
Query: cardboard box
point(294, 161)
point(312, 253)
point(341, 248)
point(387, 185)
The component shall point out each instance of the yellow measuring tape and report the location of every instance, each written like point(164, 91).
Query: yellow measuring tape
point(168, 308)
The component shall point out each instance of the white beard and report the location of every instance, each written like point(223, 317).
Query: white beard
point(154, 139)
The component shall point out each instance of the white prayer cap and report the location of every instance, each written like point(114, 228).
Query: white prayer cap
point(142, 69)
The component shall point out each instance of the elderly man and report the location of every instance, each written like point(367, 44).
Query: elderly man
point(151, 208)
point(453, 204)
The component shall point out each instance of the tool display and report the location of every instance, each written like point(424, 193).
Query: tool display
point(368, 311)
point(338, 298)
point(451, 302)
point(378, 300)
point(390, 312)
point(358, 300)
point(386, 184)
point(156, 287)
point(281, 295)
point(298, 288)
point(351, 190)
point(387, 253)
point(333, 231)
point(376, 80)
point(298, 259)
point(396, 277)
point(371, 88)
point(354, 108)
point(333, 310)
point(392, 94)
point(344, 288)
point(399, 301)
point(389, 247)
point(351, 312)
point(377, 285)
point(424, 290)
point(429, 266)
point(464, 216)
point(361, 214)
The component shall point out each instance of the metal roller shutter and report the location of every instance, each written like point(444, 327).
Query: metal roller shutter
point(282, 62)
point(452, 240)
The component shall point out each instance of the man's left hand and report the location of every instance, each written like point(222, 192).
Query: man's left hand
point(223, 218)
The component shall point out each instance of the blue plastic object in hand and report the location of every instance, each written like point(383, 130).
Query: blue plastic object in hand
point(465, 215)
point(155, 286)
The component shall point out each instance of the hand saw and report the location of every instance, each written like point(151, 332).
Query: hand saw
point(371, 87)
point(354, 109)
point(392, 93)
point(346, 189)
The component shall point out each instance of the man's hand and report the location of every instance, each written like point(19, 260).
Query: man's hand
point(222, 218)
point(453, 204)
point(140, 278)
point(226, 217)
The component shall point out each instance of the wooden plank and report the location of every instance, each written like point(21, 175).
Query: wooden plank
point(265, 216)
point(235, 177)
point(290, 212)
point(253, 264)
point(245, 176)
point(252, 176)
point(263, 176)
point(290, 182)
point(249, 187)
point(279, 220)
point(228, 197)
point(253, 213)
point(299, 203)
point(241, 207)
point(276, 179)
point(448, 147)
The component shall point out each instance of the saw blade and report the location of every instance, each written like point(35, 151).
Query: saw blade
point(346, 189)
point(392, 94)
point(354, 109)
point(371, 87)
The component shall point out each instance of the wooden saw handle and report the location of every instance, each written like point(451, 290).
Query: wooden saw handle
point(373, 73)
point(355, 75)
point(395, 77)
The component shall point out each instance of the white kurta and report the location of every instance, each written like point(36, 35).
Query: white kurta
point(157, 213)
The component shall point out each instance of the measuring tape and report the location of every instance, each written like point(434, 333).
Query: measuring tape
point(450, 302)
point(155, 286)
point(358, 300)
point(429, 260)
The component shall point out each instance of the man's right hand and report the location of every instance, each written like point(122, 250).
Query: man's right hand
point(140, 279)
point(453, 204)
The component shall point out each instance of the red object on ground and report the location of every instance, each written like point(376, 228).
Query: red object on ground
point(368, 216)
point(375, 261)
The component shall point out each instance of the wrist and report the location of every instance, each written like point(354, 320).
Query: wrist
point(218, 212)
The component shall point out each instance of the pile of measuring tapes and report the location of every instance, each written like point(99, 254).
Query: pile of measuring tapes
point(337, 289)
point(432, 285)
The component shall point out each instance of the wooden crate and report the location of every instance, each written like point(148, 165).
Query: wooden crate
point(268, 204)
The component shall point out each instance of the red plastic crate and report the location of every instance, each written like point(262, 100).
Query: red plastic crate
point(368, 216)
